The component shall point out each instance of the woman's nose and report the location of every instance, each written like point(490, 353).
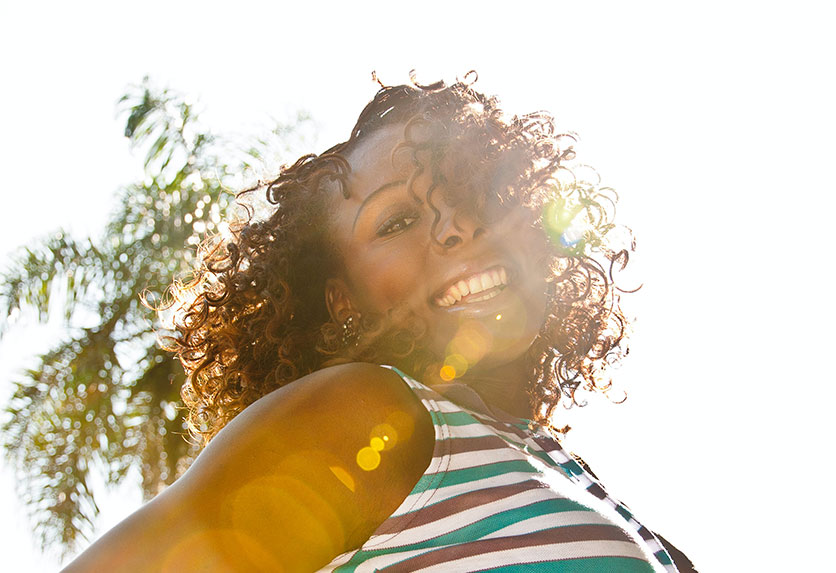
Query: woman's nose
point(453, 227)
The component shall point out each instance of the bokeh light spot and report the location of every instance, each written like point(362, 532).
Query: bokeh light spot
point(368, 459)
point(447, 373)
point(499, 316)
point(377, 444)
point(401, 425)
point(302, 498)
point(458, 363)
point(387, 435)
point(471, 341)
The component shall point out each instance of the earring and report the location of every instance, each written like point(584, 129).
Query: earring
point(351, 332)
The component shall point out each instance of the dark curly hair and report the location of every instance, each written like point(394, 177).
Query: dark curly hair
point(254, 317)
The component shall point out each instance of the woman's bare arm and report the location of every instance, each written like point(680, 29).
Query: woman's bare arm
point(282, 487)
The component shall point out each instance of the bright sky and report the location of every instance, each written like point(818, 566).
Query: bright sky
point(714, 121)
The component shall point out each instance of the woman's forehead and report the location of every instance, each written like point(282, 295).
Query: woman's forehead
point(372, 167)
point(373, 163)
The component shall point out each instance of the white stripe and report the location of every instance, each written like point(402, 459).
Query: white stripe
point(509, 437)
point(469, 431)
point(537, 553)
point(381, 561)
point(466, 460)
point(447, 407)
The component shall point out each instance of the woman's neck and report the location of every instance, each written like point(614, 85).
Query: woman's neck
point(504, 387)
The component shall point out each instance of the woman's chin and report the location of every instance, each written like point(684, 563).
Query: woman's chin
point(486, 341)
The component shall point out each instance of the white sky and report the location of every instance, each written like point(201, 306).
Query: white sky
point(715, 121)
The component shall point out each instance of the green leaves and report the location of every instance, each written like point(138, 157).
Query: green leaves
point(37, 269)
point(106, 398)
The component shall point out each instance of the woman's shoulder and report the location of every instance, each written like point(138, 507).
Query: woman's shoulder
point(356, 389)
point(339, 410)
point(358, 378)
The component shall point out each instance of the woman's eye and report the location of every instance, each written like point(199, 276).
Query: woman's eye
point(396, 224)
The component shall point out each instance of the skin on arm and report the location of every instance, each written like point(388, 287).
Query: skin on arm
point(299, 477)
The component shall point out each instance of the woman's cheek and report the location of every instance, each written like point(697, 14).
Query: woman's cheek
point(386, 282)
point(399, 284)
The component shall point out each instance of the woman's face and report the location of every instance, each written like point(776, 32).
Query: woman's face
point(480, 288)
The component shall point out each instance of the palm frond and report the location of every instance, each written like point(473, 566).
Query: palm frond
point(106, 398)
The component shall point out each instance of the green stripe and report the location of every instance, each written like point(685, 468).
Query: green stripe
point(459, 419)
point(663, 557)
point(572, 468)
point(588, 565)
point(625, 513)
point(544, 457)
point(524, 424)
point(473, 531)
point(456, 477)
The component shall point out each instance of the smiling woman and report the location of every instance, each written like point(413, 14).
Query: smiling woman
point(414, 247)
point(392, 341)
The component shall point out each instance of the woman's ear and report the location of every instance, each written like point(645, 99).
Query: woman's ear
point(337, 300)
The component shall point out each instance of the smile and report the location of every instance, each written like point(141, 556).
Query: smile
point(475, 288)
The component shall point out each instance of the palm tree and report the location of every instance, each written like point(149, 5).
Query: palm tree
point(106, 398)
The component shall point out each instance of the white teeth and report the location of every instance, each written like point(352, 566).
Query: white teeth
point(495, 277)
point(473, 285)
point(454, 290)
point(486, 281)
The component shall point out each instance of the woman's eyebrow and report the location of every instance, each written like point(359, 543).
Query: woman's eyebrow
point(373, 194)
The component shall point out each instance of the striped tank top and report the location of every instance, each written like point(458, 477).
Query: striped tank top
point(505, 497)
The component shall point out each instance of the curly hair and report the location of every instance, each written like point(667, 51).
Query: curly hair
point(254, 317)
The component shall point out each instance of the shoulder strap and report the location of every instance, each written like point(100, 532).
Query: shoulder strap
point(576, 472)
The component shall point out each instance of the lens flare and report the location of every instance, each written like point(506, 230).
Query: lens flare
point(564, 224)
point(384, 434)
point(447, 373)
point(266, 501)
point(457, 365)
point(402, 425)
point(343, 476)
point(368, 458)
point(471, 342)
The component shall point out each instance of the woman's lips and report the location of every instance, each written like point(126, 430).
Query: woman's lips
point(474, 288)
